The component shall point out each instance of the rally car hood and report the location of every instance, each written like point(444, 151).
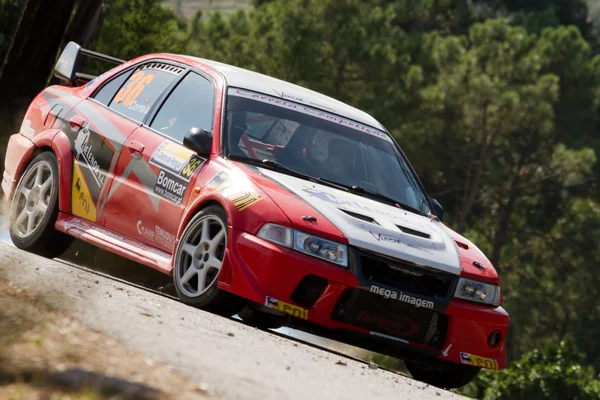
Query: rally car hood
point(373, 226)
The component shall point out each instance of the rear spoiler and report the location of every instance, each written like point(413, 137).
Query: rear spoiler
point(70, 59)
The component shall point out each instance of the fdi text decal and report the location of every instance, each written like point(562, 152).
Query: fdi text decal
point(291, 309)
point(241, 194)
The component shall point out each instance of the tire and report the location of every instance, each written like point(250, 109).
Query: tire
point(446, 375)
point(34, 209)
point(198, 260)
point(262, 319)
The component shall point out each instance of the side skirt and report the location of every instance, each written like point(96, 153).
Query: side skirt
point(114, 242)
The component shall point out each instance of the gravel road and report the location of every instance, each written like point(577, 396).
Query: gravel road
point(234, 361)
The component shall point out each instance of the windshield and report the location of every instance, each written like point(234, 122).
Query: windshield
point(320, 145)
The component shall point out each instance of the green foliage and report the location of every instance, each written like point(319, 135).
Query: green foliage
point(556, 372)
point(133, 28)
point(496, 103)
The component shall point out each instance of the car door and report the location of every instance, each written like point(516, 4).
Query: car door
point(150, 209)
point(97, 136)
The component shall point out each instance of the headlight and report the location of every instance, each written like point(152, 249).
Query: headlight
point(308, 244)
point(321, 248)
point(277, 234)
point(478, 292)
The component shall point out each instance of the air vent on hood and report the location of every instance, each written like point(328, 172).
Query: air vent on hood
point(462, 245)
point(359, 216)
point(413, 232)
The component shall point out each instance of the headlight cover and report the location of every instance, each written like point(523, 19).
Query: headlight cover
point(308, 244)
point(477, 291)
point(321, 248)
point(277, 234)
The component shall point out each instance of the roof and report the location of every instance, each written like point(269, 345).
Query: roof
point(250, 80)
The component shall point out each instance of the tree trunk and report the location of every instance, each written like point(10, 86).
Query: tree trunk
point(33, 50)
point(29, 59)
point(86, 23)
point(501, 234)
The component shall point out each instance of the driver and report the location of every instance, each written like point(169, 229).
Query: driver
point(340, 159)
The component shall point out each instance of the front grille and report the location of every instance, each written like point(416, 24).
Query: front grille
point(391, 317)
point(406, 276)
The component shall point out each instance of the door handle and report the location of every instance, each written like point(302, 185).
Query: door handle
point(76, 123)
point(136, 148)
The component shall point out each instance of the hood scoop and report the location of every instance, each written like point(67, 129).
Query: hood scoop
point(413, 232)
point(359, 216)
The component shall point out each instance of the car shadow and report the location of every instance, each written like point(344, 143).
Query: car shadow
point(79, 380)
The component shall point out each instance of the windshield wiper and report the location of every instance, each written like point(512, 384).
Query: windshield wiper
point(372, 193)
point(277, 166)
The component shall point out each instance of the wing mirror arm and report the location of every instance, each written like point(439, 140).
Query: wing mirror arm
point(437, 209)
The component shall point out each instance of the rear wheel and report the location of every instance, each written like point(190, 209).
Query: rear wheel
point(198, 263)
point(34, 209)
point(443, 375)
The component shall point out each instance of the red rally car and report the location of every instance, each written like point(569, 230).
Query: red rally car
point(255, 194)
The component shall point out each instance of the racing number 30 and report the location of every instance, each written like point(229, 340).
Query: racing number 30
point(135, 87)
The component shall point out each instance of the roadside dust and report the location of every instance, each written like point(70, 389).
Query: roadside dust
point(4, 212)
point(47, 355)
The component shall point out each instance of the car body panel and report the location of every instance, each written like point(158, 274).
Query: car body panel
point(112, 171)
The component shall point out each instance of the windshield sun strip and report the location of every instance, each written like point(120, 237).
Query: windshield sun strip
point(315, 112)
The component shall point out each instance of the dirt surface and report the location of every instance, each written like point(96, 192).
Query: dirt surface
point(45, 354)
point(226, 358)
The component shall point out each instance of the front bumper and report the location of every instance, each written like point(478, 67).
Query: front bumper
point(341, 303)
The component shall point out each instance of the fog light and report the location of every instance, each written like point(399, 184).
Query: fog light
point(494, 339)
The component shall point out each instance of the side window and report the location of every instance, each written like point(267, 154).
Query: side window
point(190, 105)
point(107, 92)
point(139, 93)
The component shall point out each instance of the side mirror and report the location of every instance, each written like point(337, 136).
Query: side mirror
point(199, 140)
point(438, 209)
point(65, 68)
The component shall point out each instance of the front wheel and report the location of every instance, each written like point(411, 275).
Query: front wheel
point(34, 209)
point(198, 261)
point(444, 375)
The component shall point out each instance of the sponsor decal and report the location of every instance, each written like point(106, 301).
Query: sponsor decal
point(84, 150)
point(399, 326)
point(400, 296)
point(381, 335)
point(242, 194)
point(82, 204)
point(291, 309)
point(176, 159)
point(445, 352)
point(476, 361)
point(311, 111)
point(141, 108)
point(170, 187)
point(130, 92)
point(191, 166)
point(350, 202)
point(158, 234)
point(380, 237)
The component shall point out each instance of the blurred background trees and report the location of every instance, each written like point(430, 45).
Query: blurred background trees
point(496, 104)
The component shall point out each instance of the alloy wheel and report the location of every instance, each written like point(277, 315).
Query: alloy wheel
point(33, 199)
point(201, 258)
